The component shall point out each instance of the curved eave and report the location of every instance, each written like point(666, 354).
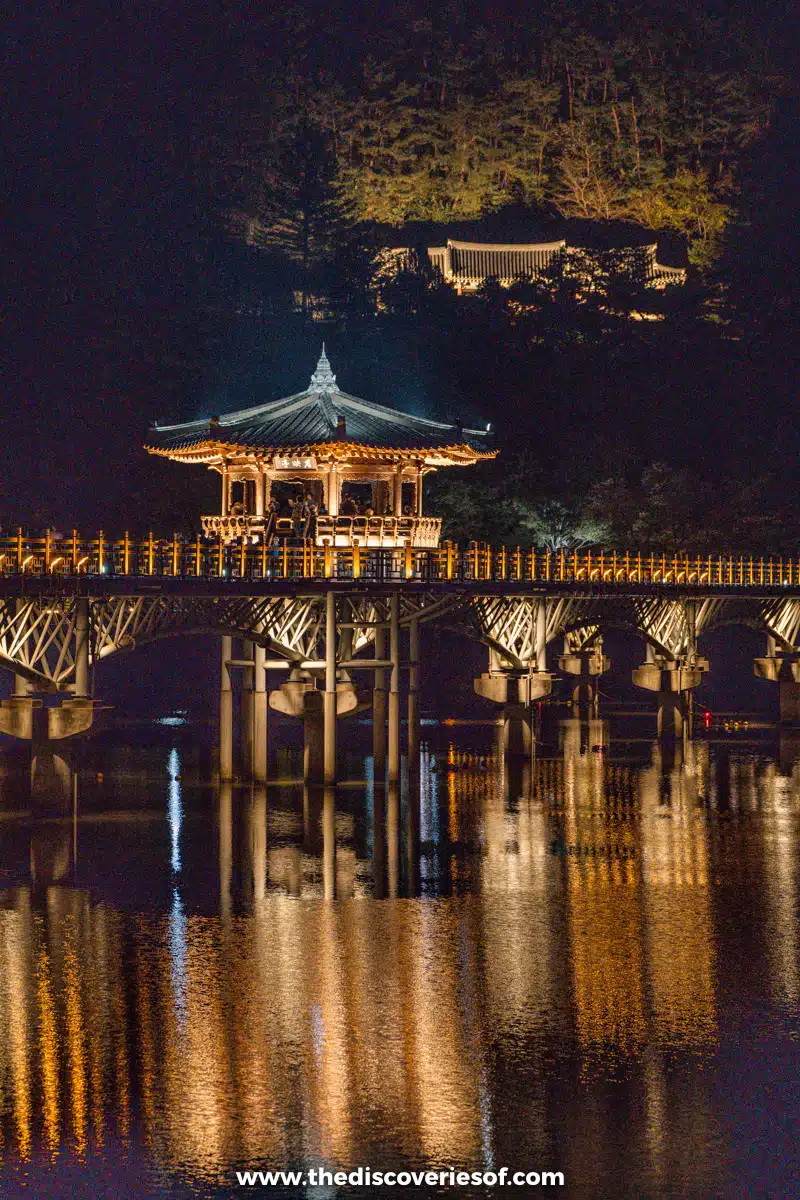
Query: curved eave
point(207, 452)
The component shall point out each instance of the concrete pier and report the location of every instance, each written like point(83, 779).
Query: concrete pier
point(394, 689)
point(82, 683)
point(226, 711)
point(672, 681)
point(247, 712)
point(329, 709)
point(413, 698)
point(585, 667)
point(260, 710)
point(313, 737)
point(783, 669)
point(379, 708)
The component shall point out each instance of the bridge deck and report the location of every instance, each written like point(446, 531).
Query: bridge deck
point(181, 565)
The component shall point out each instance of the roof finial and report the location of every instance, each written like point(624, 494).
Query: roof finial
point(323, 379)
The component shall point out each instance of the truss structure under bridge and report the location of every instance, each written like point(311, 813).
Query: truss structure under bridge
point(325, 615)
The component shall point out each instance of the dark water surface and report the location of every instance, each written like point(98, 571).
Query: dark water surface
point(589, 965)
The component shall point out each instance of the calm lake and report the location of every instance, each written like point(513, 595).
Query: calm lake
point(589, 963)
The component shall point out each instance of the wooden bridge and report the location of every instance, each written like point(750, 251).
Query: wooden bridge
point(201, 558)
point(323, 615)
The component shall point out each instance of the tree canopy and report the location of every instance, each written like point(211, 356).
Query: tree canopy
point(441, 119)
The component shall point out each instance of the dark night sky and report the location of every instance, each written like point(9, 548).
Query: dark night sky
point(106, 214)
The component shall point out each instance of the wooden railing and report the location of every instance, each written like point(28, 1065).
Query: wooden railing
point(204, 558)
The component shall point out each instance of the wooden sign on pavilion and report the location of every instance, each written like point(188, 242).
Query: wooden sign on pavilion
point(321, 440)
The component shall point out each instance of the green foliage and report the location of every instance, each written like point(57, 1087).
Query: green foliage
point(556, 525)
point(667, 509)
point(644, 120)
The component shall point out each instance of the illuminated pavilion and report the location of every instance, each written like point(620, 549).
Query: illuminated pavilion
point(318, 440)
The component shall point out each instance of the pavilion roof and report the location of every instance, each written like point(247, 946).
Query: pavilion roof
point(321, 416)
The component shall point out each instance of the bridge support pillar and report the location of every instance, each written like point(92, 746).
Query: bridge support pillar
point(52, 777)
point(313, 737)
point(517, 730)
point(413, 698)
point(260, 732)
point(394, 688)
point(673, 682)
point(225, 712)
point(585, 666)
point(516, 690)
point(379, 712)
point(248, 711)
point(82, 646)
point(329, 709)
point(784, 671)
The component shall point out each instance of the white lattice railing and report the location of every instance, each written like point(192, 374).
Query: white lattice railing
point(231, 528)
point(419, 532)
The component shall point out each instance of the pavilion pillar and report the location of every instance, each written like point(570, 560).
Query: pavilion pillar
point(260, 504)
point(413, 697)
point(380, 497)
point(397, 492)
point(226, 491)
point(418, 494)
point(329, 709)
point(394, 688)
point(379, 712)
point(260, 700)
point(225, 712)
point(332, 492)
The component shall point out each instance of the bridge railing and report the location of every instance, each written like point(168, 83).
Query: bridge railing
point(203, 558)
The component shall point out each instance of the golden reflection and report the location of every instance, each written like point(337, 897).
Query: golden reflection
point(76, 1034)
point(326, 1029)
point(777, 796)
point(677, 895)
point(16, 1015)
point(48, 1047)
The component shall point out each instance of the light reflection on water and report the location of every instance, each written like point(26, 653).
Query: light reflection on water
point(586, 963)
